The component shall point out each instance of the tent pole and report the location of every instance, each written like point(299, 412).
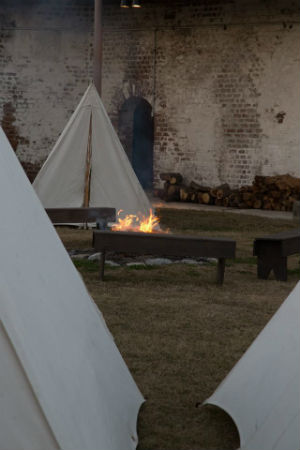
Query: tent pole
point(88, 168)
point(98, 45)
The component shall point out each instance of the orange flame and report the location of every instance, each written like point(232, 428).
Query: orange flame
point(139, 223)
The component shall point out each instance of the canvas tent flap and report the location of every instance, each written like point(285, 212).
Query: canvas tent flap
point(79, 379)
point(124, 190)
point(19, 407)
point(262, 392)
point(61, 180)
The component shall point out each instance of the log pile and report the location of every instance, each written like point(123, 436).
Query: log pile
point(267, 192)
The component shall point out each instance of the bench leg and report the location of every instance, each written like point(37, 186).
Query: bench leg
point(264, 267)
point(101, 265)
point(280, 268)
point(220, 270)
point(278, 264)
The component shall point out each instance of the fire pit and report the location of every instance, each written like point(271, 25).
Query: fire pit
point(164, 245)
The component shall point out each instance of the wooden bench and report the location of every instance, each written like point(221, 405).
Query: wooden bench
point(100, 216)
point(164, 245)
point(272, 252)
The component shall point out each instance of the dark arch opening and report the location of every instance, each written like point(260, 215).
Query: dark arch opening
point(136, 135)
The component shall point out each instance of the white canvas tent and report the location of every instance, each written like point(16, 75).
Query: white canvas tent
point(88, 165)
point(262, 392)
point(63, 383)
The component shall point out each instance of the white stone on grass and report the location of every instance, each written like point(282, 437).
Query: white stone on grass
point(136, 264)
point(94, 257)
point(212, 260)
point(111, 263)
point(157, 261)
point(189, 261)
point(80, 256)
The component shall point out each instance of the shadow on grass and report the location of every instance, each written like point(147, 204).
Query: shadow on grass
point(214, 419)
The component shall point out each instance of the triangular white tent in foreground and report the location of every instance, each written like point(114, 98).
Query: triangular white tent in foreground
point(63, 382)
point(88, 165)
point(262, 392)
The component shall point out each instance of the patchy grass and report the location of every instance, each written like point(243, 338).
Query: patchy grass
point(180, 333)
point(250, 260)
point(86, 266)
point(199, 221)
point(74, 238)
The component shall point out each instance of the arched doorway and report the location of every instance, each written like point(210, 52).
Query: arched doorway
point(136, 135)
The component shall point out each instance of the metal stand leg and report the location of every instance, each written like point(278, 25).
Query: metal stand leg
point(220, 270)
point(101, 266)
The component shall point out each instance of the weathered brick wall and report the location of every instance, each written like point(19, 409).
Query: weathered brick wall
point(45, 67)
point(222, 77)
point(223, 80)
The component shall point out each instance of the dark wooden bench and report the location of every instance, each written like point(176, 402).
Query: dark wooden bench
point(164, 245)
point(272, 252)
point(100, 216)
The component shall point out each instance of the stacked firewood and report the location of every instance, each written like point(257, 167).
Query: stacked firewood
point(275, 193)
point(172, 186)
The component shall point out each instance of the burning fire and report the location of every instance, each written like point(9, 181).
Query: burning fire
point(139, 223)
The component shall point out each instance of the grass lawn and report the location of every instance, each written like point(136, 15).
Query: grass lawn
point(180, 333)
